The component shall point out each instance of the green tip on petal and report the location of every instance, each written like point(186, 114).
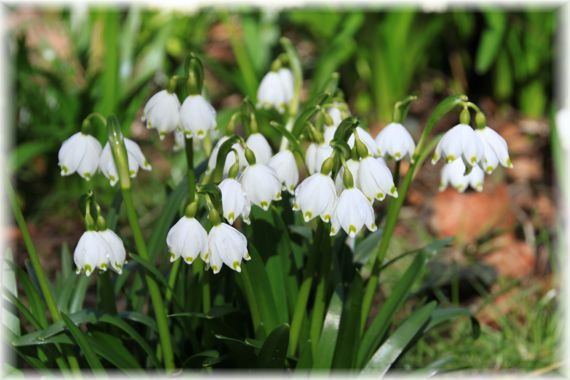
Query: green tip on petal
point(352, 230)
point(489, 169)
point(398, 155)
point(206, 256)
point(450, 158)
point(327, 217)
point(393, 190)
point(215, 268)
point(103, 266)
point(246, 256)
point(509, 163)
point(435, 158)
point(236, 266)
point(187, 134)
point(473, 160)
point(87, 268)
point(64, 169)
point(307, 215)
point(231, 217)
point(333, 231)
point(373, 227)
point(188, 259)
point(200, 132)
point(87, 175)
point(278, 196)
point(132, 173)
point(172, 256)
point(161, 135)
point(295, 206)
point(264, 205)
point(112, 178)
point(380, 196)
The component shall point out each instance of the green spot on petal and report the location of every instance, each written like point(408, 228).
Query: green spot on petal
point(393, 190)
point(231, 217)
point(450, 158)
point(509, 163)
point(188, 259)
point(236, 266)
point(264, 205)
point(473, 160)
point(327, 218)
point(64, 169)
point(308, 215)
point(215, 268)
point(489, 169)
point(352, 229)
point(380, 196)
point(398, 155)
point(87, 269)
point(132, 173)
point(103, 266)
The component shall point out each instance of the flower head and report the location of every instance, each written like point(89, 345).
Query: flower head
point(366, 139)
point(275, 90)
point(162, 112)
point(460, 141)
point(395, 141)
point(495, 150)
point(315, 196)
point(260, 147)
point(80, 153)
point(234, 201)
point(352, 212)
point(353, 166)
point(197, 116)
point(285, 167)
point(98, 249)
point(187, 239)
point(287, 83)
point(261, 185)
point(226, 245)
point(135, 157)
point(375, 179)
point(453, 174)
point(315, 155)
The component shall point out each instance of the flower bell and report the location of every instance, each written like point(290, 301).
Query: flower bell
point(261, 184)
point(353, 166)
point(287, 83)
point(315, 155)
point(352, 212)
point(495, 149)
point(259, 145)
point(162, 112)
point(395, 141)
point(315, 196)
point(230, 158)
point(135, 157)
point(453, 174)
point(375, 179)
point(197, 117)
point(226, 245)
point(187, 239)
point(234, 201)
point(365, 137)
point(80, 153)
point(271, 93)
point(460, 141)
point(285, 167)
point(98, 249)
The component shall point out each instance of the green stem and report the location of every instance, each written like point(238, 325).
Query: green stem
point(190, 170)
point(156, 298)
point(206, 294)
point(395, 205)
point(288, 127)
point(171, 281)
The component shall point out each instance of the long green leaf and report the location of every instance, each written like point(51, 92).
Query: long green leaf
point(112, 349)
point(274, 350)
point(327, 343)
point(83, 343)
point(443, 315)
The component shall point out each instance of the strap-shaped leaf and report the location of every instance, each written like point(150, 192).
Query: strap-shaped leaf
point(329, 334)
point(443, 315)
point(274, 349)
point(393, 347)
point(83, 343)
point(308, 112)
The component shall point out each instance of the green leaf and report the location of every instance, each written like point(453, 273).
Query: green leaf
point(80, 290)
point(443, 315)
point(491, 41)
point(151, 269)
point(24, 153)
point(274, 350)
point(83, 343)
point(375, 333)
point(389, 352)
point(112, 349)
point(10, 289)
point(327, 342)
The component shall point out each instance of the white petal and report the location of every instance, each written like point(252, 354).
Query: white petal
point(197, 116)
point(285, 167)
point(259, 145)
point(261, 185)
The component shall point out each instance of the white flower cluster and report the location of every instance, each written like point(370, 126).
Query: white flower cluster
point(99, 249)
point(82, 154)
point(481, 150)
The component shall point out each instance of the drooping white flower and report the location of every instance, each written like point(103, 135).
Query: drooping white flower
point(187, 239)
point(495, 150)
point(98, 249)
point(285, 167)
point(271, 93)
point(375, 179)
point(230, 158)
point(261, 185)
point(162, 112)
point(226, 245)
point(135, 157)
point(352, 212)
point(366, 139)
point(395, 141)
point(316, 196)
point(80, 153)
point(453, 174)
point(260, 147)
point(315, 155)
point(197, 117)
point(336, 114)
point(234, 201)
point(353, 166)
point(287, 83)
point(460, 141)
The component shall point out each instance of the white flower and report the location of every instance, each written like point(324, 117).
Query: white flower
point(395, 140)
point(459, 141)
point(98, 249)
point(287, 83)
point(261, 185)
point(135, 157)
point(366, 139)
point(234, 200)
point(197, 116)
point(230, 158)
point(353, 167)
point(315, 155)
point(271, 93)
point(453, 174)
point(375, 179)
point(328, 135)
point(315, 196)
point(285, 167)
point(259, 145)
point(495, 150)
point(226, 245)
point(352, 212)
point(187, 239)
point(162, 112)
point(79, 153)
point(336, 115)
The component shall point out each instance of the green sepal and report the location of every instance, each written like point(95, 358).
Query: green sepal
point(225, 148)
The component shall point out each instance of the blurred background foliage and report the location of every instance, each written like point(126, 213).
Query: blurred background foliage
point(69, 62)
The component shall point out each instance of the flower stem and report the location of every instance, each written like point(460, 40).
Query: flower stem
point(155, 296)
point(393, 213)
point(190, 170)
